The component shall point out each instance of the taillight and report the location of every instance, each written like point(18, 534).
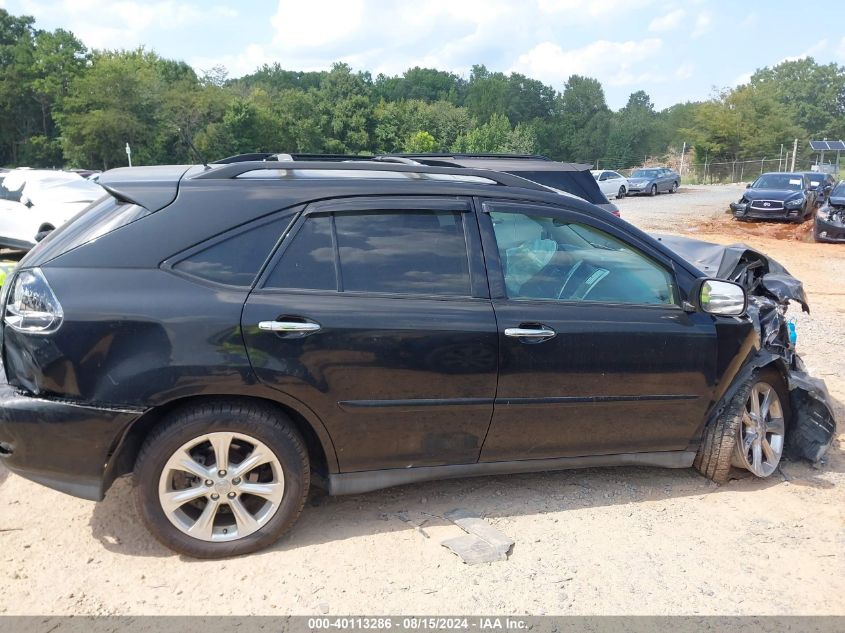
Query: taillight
point(32, 306)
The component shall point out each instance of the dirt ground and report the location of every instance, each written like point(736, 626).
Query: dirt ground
point(599, 541)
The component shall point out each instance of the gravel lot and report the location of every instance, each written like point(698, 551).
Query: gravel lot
point(609, 541)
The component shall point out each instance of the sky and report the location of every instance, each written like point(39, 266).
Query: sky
point(675, 50)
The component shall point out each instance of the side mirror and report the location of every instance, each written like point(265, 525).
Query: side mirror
point(748, 186)
point(720, 297)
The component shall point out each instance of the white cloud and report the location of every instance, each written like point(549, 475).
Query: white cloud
point(121, 24)
point(668, 22)
point(609, 62)
point(702, 24)
point(742, 79)
point(684, 71)
point(815, 50)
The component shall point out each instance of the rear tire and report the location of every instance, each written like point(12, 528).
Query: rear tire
point(621, 193)
point(243, 468)
point(716, 454)
point(674, 188)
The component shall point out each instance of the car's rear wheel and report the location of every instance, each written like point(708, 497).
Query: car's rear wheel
point(674, 188)
point(750, 432)
point(653, 190)
point(621, 192)
point(222, 479)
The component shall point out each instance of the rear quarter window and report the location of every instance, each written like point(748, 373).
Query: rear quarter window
point(236, 258)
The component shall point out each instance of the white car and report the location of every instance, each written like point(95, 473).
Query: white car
point(46, 201)
point(611, 183)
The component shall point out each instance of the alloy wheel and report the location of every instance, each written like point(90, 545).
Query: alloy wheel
point(760, 438)
point(221, 486)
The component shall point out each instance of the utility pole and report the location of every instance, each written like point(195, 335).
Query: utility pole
point(681, 166)
point(780, 157)
point(794, 152)
point(129, 154)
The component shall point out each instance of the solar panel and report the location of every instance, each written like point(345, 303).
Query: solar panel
point(825, 146)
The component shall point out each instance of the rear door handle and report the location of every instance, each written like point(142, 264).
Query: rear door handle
point(541, 333)
point(288, 326)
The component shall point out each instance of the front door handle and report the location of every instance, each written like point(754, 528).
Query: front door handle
point(539, 333)
point(291, 327)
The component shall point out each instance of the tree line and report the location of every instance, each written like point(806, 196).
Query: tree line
point(62, 104)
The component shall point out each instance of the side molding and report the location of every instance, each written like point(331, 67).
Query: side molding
point(367, 481)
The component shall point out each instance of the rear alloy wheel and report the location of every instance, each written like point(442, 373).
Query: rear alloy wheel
point(222, 479)
point(761, 435)
point(674, 188)
point(653, 190)
point(620, 193)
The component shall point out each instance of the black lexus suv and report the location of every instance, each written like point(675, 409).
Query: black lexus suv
point(232, 334)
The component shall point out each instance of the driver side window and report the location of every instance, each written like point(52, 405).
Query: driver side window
point(549, 258)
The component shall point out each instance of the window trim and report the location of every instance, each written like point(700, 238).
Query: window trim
point(168, 265)
point(498, 288)
point(385, 204)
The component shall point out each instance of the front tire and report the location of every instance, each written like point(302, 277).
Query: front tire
point(653, 190)
point(750, 432)
point(221, 479)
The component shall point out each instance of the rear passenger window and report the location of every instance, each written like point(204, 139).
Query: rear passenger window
point(236, 260)
point(308, 263)
point(413, 252)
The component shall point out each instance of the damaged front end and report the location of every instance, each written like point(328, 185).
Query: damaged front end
point(830, 221)
point(770, 289)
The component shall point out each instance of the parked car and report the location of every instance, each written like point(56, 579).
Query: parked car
point(777, 196)
point(653, 180)
point(232, 333)
point(567, 178)
point(15, 180)
point(829, 225)
point(44, 204)
point(823, 183)
point(611, 183)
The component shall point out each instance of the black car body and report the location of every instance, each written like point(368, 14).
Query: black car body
point(823, 183)
point(777, 196)
point(368, 325)
point(653, 180)
point(829, 225)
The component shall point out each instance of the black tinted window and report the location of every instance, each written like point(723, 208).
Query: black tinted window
point(404, 252)
point(308, 262)
point(237, 259)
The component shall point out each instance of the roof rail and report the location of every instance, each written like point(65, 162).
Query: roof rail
point(277, 156)
point(233, 170)
point(447, 156)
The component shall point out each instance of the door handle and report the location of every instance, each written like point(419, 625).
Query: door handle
point(291, 327)
point(541, 333)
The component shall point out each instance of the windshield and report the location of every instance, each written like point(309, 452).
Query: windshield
point(644, 173)
point(791, 182)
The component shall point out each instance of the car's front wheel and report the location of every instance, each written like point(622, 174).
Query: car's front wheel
point(653, 190)
point(221, 479)
point(750, 432)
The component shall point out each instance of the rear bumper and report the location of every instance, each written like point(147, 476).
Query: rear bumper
point(62, 445)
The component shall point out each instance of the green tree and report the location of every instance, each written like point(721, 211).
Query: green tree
point(420, 143)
